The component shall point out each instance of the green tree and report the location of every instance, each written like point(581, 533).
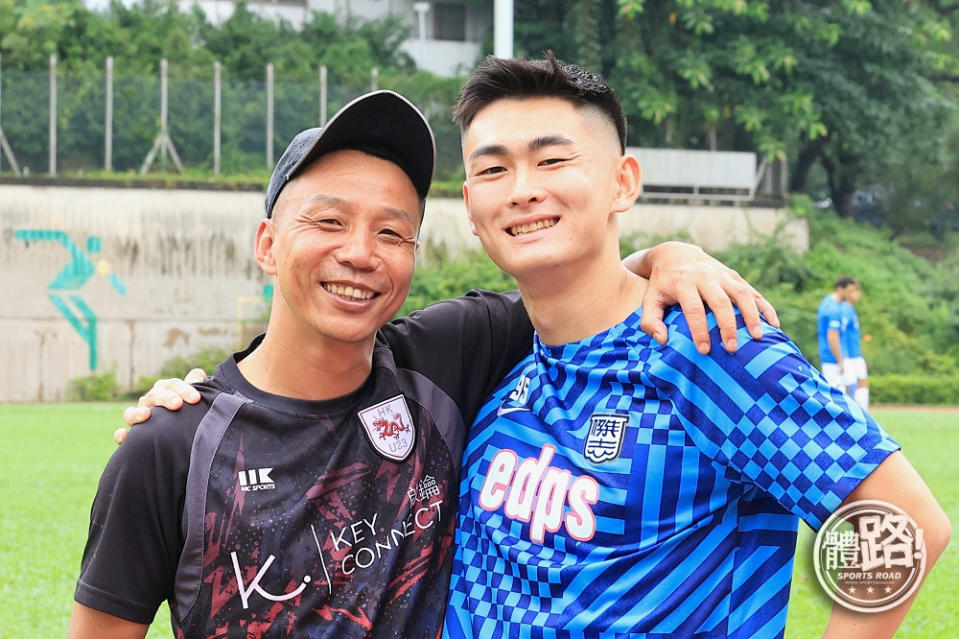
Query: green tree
point(848, 85)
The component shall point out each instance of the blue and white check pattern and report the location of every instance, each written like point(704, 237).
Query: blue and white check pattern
point(696, 519)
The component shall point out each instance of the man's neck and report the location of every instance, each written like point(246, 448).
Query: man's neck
point(307, 367)
point(569, 304)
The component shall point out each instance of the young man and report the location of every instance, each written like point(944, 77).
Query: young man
point(830, 326)
point(311, 491)
point(613, 486)
point(854, 365)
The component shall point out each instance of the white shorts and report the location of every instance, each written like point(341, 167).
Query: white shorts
point(854, 369)
point(832, 375)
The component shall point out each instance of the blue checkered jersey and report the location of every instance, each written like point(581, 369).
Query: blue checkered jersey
point(850, 336)
point(614, 487)
point(829, 317)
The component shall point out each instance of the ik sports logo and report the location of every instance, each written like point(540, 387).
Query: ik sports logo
point(255, 479)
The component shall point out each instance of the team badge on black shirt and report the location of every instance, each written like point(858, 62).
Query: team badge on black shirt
point(390, 428)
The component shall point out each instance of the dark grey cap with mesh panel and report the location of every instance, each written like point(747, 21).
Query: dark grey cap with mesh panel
point(381, 120)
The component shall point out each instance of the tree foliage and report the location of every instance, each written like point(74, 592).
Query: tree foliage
point(852, 86)
point(909, 307)
point(142, 33)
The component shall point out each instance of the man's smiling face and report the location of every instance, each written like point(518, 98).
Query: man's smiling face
point(541, 183)
point(342, 246)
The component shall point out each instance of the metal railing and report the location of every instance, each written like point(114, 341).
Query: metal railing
point(130, 122)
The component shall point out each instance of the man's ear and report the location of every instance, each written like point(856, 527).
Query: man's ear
point(629, 181)
point(263, 246)
point(469, 215)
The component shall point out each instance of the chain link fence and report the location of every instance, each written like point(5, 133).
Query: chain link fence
point(110, 121)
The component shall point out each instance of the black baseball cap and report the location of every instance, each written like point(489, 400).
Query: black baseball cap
point(383, 122)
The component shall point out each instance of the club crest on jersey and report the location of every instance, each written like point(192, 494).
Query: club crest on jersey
point(605, 439)
point(390, 428)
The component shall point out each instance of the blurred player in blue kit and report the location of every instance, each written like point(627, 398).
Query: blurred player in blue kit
point(830, 325)
point(855, 373)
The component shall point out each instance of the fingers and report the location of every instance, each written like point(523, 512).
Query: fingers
point(120, 434)
point(194, 376)
point(721, 305)
point(134, 415)
point(652, 319)
point(767, 310)
point(751, 304)
point(161, 397)
point(696, 280)
point(170, 394)
point(688, 297)
point(184, 390)
point(695, 313)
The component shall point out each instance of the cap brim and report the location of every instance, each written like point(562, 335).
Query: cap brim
point(383, 119)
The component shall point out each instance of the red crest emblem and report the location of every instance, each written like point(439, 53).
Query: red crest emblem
point(390, 428)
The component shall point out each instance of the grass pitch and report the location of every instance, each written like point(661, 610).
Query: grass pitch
point(51, 457)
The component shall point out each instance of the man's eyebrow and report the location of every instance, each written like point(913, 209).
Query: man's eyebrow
point(319, 198)
point(488, 149)
point(332, 201)
point(399, 213)
point(549, 140)
point(534, 145)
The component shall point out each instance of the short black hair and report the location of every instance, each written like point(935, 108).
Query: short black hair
point(844, 280)
point(500, 78)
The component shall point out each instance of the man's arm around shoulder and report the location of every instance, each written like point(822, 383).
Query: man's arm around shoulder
point(134, 542)
point(897, 482)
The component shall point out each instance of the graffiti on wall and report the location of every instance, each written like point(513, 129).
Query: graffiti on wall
point(66, 284)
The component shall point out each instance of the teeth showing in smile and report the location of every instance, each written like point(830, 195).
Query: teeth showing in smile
point(535, 226)
point(348, 291)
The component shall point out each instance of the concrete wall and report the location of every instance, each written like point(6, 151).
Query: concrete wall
point(95, 279)
point(172, 270)
point(713, 227)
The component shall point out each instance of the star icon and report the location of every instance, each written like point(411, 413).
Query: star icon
point(852, 589)
point(888, 589)
point(869, 590)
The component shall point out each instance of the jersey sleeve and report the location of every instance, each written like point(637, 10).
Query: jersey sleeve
point(766, 417)
point(833, 313)
point(464, 345)
point(133, 545)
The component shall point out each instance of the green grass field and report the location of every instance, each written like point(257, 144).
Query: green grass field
point(51, 457)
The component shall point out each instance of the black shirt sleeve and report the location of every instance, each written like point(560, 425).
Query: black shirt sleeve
point(464, 345)
point(134, 542)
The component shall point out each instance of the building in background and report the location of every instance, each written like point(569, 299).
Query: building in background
point(445, 37)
